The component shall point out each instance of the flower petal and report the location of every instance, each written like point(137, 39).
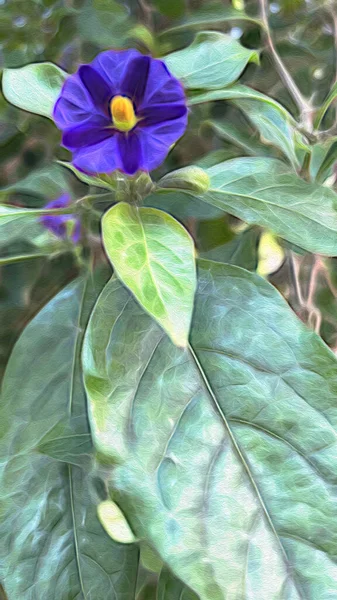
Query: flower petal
point(135, 79)
point(97, 87)
point(103, 157)
point(156, 141)
point(90, 133)
point(60, 202)
point(162, 87)
point(159, 113)
point(74, 105)
point(112, 66)
point(130, 152)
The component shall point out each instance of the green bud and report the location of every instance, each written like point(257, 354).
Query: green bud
point(270, 254)
point(114, 522)
point(191, 178)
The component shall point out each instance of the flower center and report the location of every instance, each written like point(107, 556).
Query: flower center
point(123, 113)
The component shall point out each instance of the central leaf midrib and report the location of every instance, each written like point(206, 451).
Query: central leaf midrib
point(148, 260)
point(239, 452)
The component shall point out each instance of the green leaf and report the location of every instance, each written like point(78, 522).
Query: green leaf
point(236, 92)
point(23, 237)
point(48, 182)
point(323, 158)
point(51, 542)
point(264, 192)
point(242, 137)
point(213, 60)
point(241, 250)
point(154, 257)
point(275, 125)
point(225, 452)
point(207, 16)
point(34, 88)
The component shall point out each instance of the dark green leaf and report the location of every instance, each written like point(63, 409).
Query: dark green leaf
point(52, 544)
point(326, 104)
point(48, 182)
point(170, 588)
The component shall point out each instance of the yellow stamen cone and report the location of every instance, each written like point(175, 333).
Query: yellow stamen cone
point(122, 112)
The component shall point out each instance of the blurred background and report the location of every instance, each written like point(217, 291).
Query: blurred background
point(69, 32)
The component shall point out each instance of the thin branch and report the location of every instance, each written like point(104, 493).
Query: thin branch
point(303, 106)
point(147, 12)
point(294, 270)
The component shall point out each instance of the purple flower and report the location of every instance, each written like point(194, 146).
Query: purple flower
point(123, 111)
point(58, 223)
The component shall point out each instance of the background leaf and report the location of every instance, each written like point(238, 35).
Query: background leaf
point(226, 451)
point(154, 257)
point(198, 65)
point(34, 88)
point(207, 15)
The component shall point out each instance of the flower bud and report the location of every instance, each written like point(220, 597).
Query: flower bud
point(191, 178)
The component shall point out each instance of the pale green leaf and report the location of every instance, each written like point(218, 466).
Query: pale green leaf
point(225, 452)
point(213, 60)
point(51, 542)
point(154, 257)
point(34, 88)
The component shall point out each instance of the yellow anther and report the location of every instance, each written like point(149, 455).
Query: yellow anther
point(122, 112)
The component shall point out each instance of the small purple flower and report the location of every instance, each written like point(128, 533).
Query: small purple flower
point(58, 223)
point(123, 111)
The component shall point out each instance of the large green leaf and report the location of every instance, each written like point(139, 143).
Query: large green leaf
point(34, 88)
point(154, 256)
point(264, 192)
point(225, 452)
point(51, 542)
point(213, 60)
